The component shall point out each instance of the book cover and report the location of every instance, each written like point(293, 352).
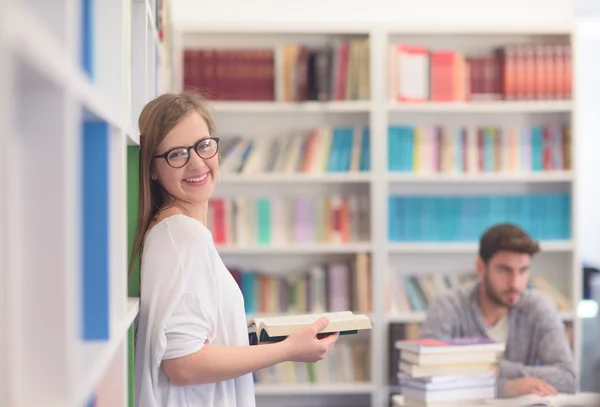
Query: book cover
point(455, 345)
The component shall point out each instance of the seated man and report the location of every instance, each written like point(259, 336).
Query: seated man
point(538, 358)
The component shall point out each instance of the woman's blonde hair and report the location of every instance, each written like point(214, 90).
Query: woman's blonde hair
point(156, 120)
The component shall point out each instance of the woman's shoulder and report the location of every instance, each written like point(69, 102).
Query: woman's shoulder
point(180, 230)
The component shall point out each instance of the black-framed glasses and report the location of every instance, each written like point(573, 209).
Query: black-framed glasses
point(179, 156)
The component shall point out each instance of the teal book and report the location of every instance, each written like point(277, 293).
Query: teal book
point(276, 329)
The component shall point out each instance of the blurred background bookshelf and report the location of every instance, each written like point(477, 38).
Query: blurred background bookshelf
point(353, 152)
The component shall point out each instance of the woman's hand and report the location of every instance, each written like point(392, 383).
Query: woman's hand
point(305, 345)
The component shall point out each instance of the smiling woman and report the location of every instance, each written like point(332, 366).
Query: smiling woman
point(192, 344)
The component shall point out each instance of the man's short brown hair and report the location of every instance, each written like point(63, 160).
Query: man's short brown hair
point(506, 237)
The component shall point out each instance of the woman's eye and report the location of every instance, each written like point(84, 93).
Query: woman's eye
point(178, 154)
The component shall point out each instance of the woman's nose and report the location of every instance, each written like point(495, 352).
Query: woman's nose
point(196, 162)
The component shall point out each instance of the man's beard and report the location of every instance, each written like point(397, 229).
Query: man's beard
point(496, 297)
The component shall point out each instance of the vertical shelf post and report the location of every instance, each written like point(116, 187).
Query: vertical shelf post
point(378, 116)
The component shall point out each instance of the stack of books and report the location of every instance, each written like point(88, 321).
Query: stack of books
point(453, 373)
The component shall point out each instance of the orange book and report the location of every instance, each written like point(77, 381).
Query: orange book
point(509, 74)
point(541, 89)
point(442, 81)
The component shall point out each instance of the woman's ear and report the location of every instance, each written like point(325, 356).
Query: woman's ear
point(153, 175)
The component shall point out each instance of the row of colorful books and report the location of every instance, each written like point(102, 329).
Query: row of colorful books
point(335, 71)
point(472, 149)
point(324, 287)
point(512, 72)
point(416, 149)
point(271, 221)
point(341, 71)
point(347, 362)
point(545, 216)
point(323, 149)
point(288, 73)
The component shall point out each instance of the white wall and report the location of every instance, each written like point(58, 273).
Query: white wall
point(472, 13)
point(587, 124)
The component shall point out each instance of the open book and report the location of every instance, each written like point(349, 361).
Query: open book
point(275, 329)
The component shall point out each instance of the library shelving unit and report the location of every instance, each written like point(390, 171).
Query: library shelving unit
point(414, 197)
point(75, 74)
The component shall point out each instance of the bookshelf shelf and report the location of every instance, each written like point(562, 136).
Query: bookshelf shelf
point(298, 248)
point(303, 178)
point(475, 178)
point(95, 357)
point(536, 106)
point(288, 107)
point(476, 28)
point(406, 317)
point(416, 316)
point(314, 389)
point(466, 248)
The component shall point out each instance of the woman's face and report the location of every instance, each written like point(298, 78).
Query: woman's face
point(192, 182)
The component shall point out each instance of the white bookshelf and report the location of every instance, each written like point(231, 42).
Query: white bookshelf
point(49, 355)
point(279, 178)
point(290, 107)
point(551, 177)
point(559, 260)
point(299, 249)
point(484, 107)
point(418, 316)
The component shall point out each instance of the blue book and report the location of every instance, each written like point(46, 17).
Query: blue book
point(96, 221)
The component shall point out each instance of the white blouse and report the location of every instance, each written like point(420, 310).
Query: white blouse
point(188, 298)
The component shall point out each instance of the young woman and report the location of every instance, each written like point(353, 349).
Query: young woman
point(192, 340)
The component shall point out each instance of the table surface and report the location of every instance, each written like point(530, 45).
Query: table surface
point(567, 400)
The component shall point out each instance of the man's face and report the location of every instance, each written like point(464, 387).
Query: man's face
point(505, 277)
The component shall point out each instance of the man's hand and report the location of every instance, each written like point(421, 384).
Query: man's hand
point(496, 369)
point(529, 385)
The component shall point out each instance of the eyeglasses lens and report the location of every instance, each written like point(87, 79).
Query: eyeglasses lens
point(178, 158)
point(207, 148)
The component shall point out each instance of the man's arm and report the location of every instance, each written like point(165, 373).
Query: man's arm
point(556, 364)
point(554, 354)
point(440, 321)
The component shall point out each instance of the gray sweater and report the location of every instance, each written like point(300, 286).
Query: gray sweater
point(537, 345)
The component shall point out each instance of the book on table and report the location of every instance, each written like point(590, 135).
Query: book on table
point(277, 328)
